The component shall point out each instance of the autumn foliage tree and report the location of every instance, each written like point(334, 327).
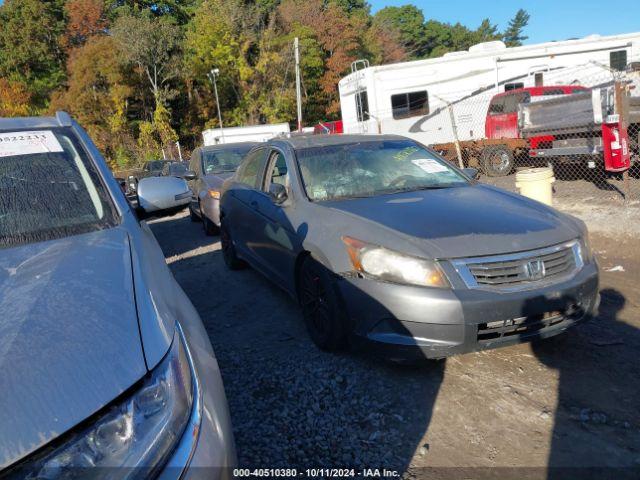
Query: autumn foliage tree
point(85, 18)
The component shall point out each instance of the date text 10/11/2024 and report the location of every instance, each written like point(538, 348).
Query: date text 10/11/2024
point(315, 473)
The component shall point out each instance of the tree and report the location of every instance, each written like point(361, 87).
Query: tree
point(513, 36)
point(98, 92)
point(15, 99)
point(178, 12)
point(408, 21)
point(151, 44)
point(85, 18)
point(31, 54)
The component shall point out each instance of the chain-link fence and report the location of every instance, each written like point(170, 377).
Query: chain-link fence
point(587, 130)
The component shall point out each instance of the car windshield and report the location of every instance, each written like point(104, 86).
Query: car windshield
point(223, 160)
point(370, 168)
point(48, 188)
point(177, 169)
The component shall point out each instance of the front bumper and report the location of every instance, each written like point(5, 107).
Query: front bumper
point(211, 209)
point(416, 322)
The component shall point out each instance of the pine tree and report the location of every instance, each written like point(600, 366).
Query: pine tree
point(513, 36)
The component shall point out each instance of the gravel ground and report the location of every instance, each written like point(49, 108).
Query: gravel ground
point(559, 404)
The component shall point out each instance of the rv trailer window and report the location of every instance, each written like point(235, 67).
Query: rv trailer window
point(513, 86)
point(362, 106)
point(618, 60)
point(412, 104)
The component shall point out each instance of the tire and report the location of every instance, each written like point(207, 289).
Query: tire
point(210, 228)
point(321, 308)
point(193, 216)
point(497, 161)
point(229, 255)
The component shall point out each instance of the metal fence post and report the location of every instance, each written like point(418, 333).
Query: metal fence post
point(620, 99)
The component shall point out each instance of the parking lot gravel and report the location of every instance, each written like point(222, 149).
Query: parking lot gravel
point(566, 403)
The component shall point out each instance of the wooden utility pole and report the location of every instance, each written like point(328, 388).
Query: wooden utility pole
point(296, 46)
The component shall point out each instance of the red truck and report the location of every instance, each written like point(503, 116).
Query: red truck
point(503, 140)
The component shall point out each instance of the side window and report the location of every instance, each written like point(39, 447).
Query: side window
point(279, 173)
point(513, 86)
point(362, 106)
point(410, 104)
point(618, 60)
point(497, 106)
point(251, 169)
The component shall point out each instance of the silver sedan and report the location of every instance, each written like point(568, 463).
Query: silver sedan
point(210, 166)
point(104, 362)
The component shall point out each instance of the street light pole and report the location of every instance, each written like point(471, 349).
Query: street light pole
point(213, 74)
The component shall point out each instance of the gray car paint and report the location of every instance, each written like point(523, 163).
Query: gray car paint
point(69, 330)
point(445, 223)
point(160, 301)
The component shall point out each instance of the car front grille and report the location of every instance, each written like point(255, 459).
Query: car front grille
point(521, 270)
point(523, 326)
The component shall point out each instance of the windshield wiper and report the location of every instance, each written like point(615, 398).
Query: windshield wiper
point(412, 189)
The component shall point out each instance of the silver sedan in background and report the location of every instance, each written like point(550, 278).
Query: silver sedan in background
point(106, 370)
point(210, 166)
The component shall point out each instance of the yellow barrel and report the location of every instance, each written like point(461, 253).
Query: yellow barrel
point(536, 183)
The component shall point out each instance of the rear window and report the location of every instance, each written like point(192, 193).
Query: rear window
point(48, 188)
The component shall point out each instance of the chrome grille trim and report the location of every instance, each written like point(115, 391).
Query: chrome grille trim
point(507, 272)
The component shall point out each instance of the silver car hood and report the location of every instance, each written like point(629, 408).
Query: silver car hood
point(69, 338)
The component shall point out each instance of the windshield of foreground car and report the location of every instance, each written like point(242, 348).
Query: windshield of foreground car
point(224, 160)
point(370, 168)
point(48, 188)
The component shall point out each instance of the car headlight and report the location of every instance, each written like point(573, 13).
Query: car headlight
point(585, 248)
point(214, 194)
point(139, 431)
point(386, 264)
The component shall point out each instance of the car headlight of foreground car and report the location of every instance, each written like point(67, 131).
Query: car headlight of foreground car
point(139, 432)
point(386, 264)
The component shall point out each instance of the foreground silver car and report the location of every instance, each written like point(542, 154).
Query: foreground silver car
point(104, 362)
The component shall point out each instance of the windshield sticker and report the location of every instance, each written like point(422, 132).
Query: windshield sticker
point(429, 165)
point(405, 152)
point(28, 143)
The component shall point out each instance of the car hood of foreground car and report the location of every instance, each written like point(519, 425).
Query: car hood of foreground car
point(69, 337)
point(467, 221)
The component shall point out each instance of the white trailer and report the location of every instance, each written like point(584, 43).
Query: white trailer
point(428, 99)
point(253, 133)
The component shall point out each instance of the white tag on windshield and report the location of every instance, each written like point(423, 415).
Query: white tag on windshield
point(429, 165)
point(27, 143)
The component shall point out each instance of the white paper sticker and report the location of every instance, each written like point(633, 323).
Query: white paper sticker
point(429, 165)
point(27, 143)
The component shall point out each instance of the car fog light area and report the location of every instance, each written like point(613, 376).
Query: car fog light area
point(386, 264)
point(138, 434)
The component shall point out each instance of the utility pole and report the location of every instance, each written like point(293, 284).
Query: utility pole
point(213, 75)
point(296, 46)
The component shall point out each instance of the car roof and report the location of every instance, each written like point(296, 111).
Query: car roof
point(539, 91)
point(224, 146)
point(61, 119)
point(299, 142)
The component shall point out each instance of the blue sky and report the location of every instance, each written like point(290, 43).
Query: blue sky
point(550, 19)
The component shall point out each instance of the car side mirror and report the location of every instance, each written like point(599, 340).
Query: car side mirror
point(189, 175)
point(278, 193)
point(471, 172)
point(162, 196)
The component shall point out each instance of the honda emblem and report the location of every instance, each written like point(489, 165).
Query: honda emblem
point(535, 270)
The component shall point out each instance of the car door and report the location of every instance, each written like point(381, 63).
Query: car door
point(240, 206)
point(277, 243)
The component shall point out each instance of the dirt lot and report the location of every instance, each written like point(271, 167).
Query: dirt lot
point(573, 403)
